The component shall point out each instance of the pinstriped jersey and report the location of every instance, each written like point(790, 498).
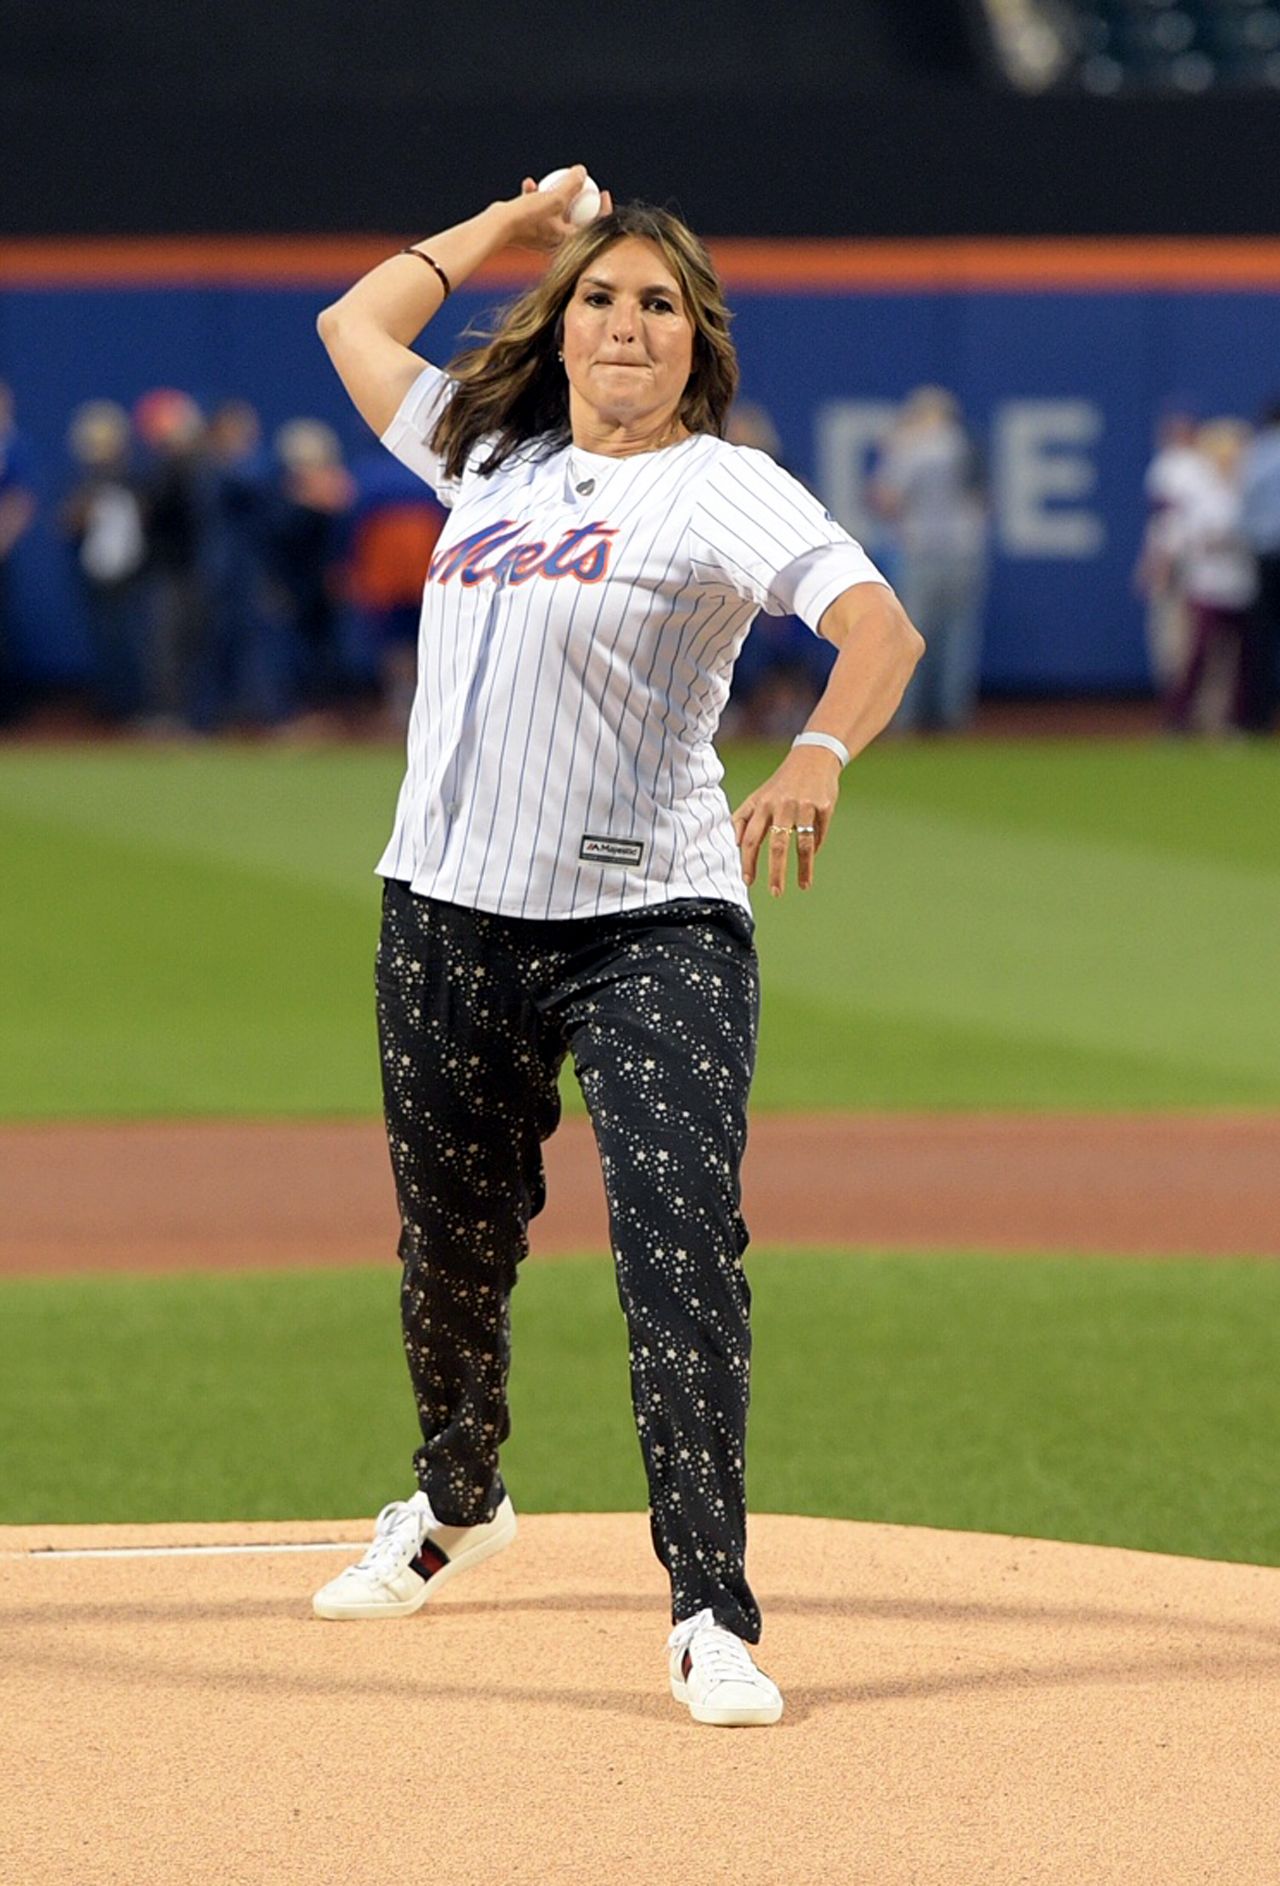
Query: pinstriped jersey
point(580, 620)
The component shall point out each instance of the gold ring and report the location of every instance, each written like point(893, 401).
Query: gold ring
point(785, 829)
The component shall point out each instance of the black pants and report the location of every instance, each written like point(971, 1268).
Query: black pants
point(659, 1008)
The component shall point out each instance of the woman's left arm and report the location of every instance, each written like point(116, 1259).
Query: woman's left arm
point(879, 649)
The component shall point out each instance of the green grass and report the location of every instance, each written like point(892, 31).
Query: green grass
point(1124, 1403)
point(1014, 926)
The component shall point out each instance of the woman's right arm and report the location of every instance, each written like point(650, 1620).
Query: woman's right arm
point(368, 330)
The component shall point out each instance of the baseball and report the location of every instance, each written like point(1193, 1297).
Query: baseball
point(585, 207)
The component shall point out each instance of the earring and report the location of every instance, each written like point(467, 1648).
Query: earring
point(559, 356)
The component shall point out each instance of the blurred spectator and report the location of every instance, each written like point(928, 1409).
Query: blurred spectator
point(171, 429)
point(782, 667)
point(1218, 573)
point(242, 672)
point(309, 538)
point(17, 514)
point(1261, 521)
point(102, 517)
point(396, 525)
point(1174, 478)
point(930, 489)
point(750, 424)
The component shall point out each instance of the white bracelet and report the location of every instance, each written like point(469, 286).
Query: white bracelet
point(827, 740)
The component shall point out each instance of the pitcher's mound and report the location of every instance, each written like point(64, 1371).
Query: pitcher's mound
point(960, 1709)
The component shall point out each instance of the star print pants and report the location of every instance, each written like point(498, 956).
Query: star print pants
point(658, 1007)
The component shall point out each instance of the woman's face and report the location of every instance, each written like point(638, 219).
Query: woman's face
point(628, 336)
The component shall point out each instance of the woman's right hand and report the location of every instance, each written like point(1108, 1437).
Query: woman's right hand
point(540, 219)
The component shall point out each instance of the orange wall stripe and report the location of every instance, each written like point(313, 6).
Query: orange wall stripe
point(1205, 265)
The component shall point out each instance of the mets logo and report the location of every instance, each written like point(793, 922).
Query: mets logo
point(498, 553)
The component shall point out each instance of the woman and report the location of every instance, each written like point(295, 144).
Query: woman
point(564, 875)
point(1219, 579)
point(929, 489)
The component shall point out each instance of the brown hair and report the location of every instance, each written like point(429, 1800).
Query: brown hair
point(512, 388)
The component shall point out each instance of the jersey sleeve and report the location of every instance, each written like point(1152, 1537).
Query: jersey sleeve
point(408, 434)
point(759, 532)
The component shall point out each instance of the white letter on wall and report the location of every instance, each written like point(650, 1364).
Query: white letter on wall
point(848, 431)
point(1041, 454)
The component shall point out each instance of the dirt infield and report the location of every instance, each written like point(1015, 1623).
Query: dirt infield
point(179, 1195)
point(960, 1708)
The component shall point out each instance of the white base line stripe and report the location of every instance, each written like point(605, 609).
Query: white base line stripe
point(175, 1551)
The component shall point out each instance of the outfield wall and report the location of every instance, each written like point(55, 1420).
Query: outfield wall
point(1061, 352)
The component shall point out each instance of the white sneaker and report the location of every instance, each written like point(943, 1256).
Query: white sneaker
point(412, 1555)
point(712, 1671)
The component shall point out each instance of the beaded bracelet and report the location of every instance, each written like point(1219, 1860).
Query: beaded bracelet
point(431, 262)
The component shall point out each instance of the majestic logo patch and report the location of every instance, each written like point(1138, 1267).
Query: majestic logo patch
point(500, 554)
point(611, 850)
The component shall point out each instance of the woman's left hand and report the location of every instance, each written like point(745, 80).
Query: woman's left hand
point(799, 798)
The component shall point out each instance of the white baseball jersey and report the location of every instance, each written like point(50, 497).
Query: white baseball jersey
point(580, 621)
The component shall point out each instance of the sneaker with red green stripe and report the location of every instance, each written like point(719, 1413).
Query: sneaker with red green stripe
point(712, 1672)
point(412, 1556)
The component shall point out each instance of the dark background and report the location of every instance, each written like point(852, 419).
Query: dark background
point(816, 118)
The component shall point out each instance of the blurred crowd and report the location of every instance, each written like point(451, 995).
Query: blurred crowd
point(1210, 571)
point(231, 584)
point(227, 584)
point(235, 584)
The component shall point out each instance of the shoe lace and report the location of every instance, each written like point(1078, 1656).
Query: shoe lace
point(397, 1534)
point(721, 1655)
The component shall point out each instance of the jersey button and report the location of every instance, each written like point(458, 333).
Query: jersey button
point(452, 808)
